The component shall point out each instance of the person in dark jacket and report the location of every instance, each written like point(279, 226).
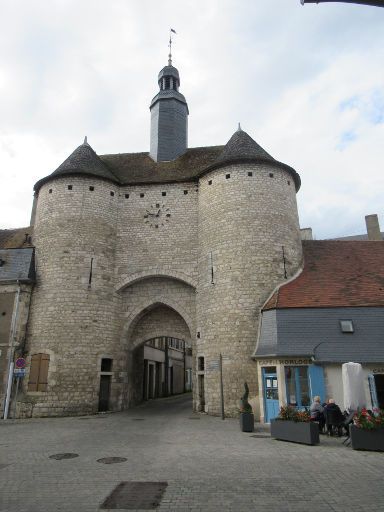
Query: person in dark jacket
point(334, 418)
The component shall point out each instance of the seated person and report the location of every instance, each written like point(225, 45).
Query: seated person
point(334, 417)
point(317, 412)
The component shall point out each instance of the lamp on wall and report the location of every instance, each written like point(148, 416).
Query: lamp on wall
point(313, 356)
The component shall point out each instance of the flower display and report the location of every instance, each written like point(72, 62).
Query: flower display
point(369, 420)
point(289, 413)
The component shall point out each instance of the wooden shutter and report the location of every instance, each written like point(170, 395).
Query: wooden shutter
point(38, 375)
point(34, 372)
point(316, 381)
point(43, 373)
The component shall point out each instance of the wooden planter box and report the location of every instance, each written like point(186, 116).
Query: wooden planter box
point(296, 432)
point(247, 422)
point(372, 440)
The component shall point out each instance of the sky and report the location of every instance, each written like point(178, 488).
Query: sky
point(305, 82)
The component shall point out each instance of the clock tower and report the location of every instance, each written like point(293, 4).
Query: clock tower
point(169, 117)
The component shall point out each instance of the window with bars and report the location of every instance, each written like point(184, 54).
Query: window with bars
point(38, 375)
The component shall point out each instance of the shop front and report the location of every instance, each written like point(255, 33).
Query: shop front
point(288, 381)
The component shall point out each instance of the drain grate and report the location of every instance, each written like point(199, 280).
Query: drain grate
point(61, 456)
point(111, 460)
point(135, 495)
point(261, 436)
point(194, 418)
point(138, 419)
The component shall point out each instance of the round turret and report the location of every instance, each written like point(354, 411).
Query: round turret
point(247, 218)
point(73, 308)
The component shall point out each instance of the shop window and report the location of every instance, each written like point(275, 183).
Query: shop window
point(297, 386)
point(38, 375)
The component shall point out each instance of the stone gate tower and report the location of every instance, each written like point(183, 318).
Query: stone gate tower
point(178, 242)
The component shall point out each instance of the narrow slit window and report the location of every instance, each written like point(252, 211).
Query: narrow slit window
point(126, 196)
point(210, 182)
point(227, 176)
point(91, 188)
point(185, 192)
point(112, 193)
point(70, 187)
point(163, 194)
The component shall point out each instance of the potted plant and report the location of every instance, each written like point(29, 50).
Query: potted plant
point(367, 430)
point(295, 426)
point(247, 419)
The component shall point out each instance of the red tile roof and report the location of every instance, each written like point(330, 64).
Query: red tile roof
point(335, 274)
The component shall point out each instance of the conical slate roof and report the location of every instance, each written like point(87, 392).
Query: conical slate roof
point(242, 148)
point(82, 161)
point(241, 145)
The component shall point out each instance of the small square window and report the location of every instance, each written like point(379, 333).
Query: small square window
point(289, 182)
point(106, 365)
point(69, 187)
point(163, 194)
point(227, 176)
point(346, 326)
point(271, 174)
point(185, 192)
point(250, 174)
point(112, 193)
point(142, 195)
point(126, 196)
point(91, 188)
point(50, 191)
point(210, 182)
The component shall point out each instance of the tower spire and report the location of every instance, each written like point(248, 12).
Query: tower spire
point(171, 31)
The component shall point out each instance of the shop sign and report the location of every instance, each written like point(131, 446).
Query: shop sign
point(290, 362)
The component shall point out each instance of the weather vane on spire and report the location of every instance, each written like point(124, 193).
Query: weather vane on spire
point(171, 31)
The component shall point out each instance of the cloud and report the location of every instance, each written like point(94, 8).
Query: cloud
point(305, 82)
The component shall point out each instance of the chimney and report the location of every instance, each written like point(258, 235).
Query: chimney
point(306, 233)
point(373, 228)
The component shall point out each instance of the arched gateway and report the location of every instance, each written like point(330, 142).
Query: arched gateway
point(157, 336)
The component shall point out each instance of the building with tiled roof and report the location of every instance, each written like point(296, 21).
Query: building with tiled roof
point(131, 258)
point(331, 313)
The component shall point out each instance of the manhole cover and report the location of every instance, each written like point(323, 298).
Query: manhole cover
point(135, 495)
point(138, 419)
point(111, 460)
point(261, 436)
point(61, 456)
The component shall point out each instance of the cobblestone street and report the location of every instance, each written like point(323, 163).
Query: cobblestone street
point(208, 463)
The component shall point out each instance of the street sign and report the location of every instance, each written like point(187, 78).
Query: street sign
point(20, 363)
point(19, 372)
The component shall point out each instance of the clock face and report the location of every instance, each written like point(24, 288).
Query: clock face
point(157, 215)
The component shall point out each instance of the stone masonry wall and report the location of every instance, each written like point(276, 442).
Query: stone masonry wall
point(246, 214)
point(73, 319)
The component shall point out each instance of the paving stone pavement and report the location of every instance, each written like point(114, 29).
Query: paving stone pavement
point(208, 463)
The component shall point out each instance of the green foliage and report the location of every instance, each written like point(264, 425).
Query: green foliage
point(245, 406)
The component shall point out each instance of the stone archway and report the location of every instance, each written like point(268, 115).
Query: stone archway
point(162, 319)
